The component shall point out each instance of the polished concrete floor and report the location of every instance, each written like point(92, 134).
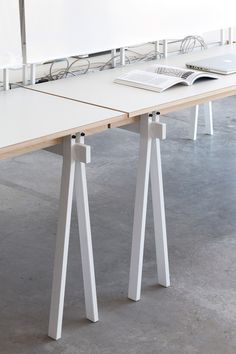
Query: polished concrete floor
point(197, 314)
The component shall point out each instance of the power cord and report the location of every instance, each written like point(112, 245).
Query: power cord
point(189, 43)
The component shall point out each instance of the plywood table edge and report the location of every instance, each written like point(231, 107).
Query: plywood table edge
point(56, 138)
point(187, 102)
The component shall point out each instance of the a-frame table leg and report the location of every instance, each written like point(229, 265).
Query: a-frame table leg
point(149, 162)
point(159, 214)
point(62, 240)
point(140, 210)
point(85, 231)
point(75, 155)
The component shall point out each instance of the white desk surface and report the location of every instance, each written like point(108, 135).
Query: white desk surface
point(29, 117)
point(99, 88)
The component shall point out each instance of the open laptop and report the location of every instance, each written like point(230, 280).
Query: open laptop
point(223, 64)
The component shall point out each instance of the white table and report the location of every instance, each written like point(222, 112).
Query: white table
point(100, 90)
point(32, 120)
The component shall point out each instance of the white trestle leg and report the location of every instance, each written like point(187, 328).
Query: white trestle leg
point(208, 118)
point(62, 241)
point(193, 124)
point(150, 133)
point(140, 210)
point(85, 234)
point(208, 121)
point(75, 155)
point(159, 214)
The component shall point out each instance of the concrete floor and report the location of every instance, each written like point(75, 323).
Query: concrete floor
point(197, 314)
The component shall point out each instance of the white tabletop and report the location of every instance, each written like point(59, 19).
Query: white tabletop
point(27, 115)
point(99, 88)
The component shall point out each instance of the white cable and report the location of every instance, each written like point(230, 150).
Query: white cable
point(74, 70)
point(189, 43)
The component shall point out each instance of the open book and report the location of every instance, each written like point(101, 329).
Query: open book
point(161, 77)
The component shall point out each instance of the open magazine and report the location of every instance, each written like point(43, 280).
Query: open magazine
point(161, 77)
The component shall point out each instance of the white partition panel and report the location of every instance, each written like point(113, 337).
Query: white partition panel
point(61, 28)
point(10, 34)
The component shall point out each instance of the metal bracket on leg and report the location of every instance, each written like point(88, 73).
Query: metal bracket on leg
point(82, 152)
point(150, 133)
point(157, 130)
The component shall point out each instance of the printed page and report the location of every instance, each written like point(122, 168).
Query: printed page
point(184, 74)
point(149, 79)
point(188, 75)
